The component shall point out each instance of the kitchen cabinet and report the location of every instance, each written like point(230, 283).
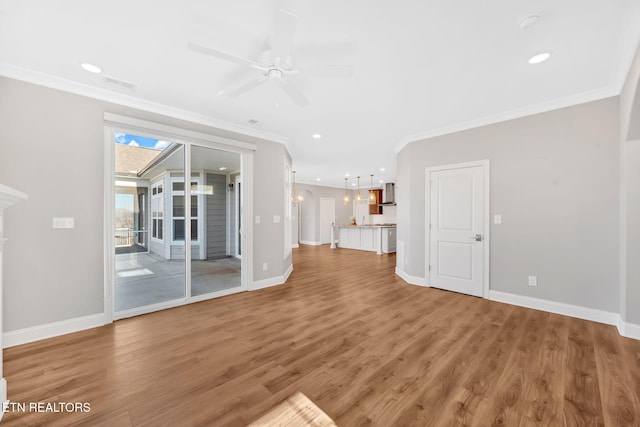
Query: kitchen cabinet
point(375, 238)
point(375, 208)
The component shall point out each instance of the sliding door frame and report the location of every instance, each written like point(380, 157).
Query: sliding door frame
point(187, 139)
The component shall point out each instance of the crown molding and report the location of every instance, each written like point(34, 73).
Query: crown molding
point(82, 89)
point(517, 113)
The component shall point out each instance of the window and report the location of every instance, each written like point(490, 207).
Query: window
point(157, 211)
point(178, 210)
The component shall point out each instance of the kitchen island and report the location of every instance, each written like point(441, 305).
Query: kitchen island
point(380, 239)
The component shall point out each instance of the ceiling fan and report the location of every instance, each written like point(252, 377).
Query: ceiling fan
point(275, 64)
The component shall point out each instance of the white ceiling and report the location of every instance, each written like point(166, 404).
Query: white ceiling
point(421, 67)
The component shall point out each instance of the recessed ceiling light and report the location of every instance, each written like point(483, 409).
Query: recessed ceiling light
point(132, 171)
point(222, 168)
point(381, 181)
point(317, 179)
point(91, 68)
point(541, 57)
point(354, 184)
point(346, 175)
point(382, 169)
point(316, 136)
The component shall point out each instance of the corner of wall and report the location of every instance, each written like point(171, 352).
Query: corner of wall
point(412, 280)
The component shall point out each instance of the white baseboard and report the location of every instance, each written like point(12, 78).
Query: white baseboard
point(287, 273)
point(271, 281)
point(49, 330)
point(412, 280)
point(585, 313)
point(309, 242)
point(629, 330)
point(295, 246)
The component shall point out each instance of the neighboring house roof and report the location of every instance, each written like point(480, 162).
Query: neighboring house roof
point(130, 160)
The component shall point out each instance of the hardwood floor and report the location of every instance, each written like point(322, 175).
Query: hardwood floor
point(363, 345)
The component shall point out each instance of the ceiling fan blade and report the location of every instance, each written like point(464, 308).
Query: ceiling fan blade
point(246, 87)
point(328, 71)
point(294, 93)
point(221, 55)
point(284, 29)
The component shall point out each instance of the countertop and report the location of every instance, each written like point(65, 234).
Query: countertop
point(368, 225)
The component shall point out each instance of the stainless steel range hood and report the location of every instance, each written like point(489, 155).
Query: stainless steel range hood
point(389, 194)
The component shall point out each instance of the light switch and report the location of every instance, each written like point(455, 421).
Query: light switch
point(276, 219)
point(63, 222)
point(257, 219)
point(497, 219)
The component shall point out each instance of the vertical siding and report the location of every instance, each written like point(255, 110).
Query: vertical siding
point(216, 211)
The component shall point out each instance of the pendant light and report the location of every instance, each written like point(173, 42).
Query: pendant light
point(346, 192)
point(358, 197)
point(372, 195)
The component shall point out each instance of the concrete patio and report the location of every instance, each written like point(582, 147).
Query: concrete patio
point(144, 278)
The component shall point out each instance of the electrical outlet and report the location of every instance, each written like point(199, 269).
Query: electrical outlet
point(276, 219)
point(265, 266)
point(533, 280)
point(257, 219)
point(497, 219)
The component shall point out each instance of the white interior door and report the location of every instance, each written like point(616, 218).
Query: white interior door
point(456, 229)
point(327, 218)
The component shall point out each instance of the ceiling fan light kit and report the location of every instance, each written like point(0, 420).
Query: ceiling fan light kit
point(275, 64)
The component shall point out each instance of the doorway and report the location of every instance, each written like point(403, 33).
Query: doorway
point(457, 227)
point(172, 214)
point(327, 218)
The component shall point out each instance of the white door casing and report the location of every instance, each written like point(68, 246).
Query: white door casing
point(188, 139)
point(327, 218)
point(457, 229)
point(238, 213)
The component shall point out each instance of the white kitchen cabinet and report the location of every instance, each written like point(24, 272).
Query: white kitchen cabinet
point(368, 238)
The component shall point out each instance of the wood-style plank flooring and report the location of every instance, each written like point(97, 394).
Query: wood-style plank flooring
point(365, 347)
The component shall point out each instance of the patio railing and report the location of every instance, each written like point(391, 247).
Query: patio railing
point(127, 237)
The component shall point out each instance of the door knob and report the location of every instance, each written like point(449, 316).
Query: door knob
point(477, 238)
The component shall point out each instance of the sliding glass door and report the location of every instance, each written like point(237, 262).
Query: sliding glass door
point(214, 268)
point(175, 239)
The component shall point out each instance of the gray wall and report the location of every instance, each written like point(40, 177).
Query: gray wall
point(311, 208)
point(554, 180)
point(216, 225)
point(630, 184)
point(308, 216)
point(268, 188)
point(52, 147)
point(632, 193)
